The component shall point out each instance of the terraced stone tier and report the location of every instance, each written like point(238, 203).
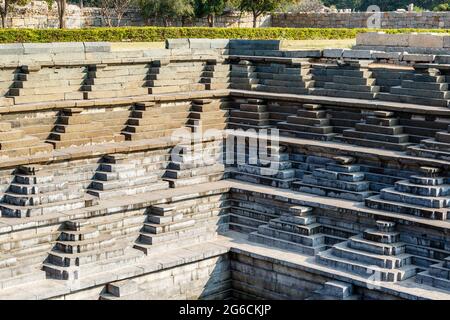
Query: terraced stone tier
point(118, 175)
point(426, 86)
point(16, 143)
point(81, 250)
point(149, 120)
point(252, 114)
point(348, 79)
point(191, 221)
point(377, 254)
point(338, 180)
point(116, 80)
point(438, 275)
point(35, 192)
point(76, 127)
point(43, 84)
point(295, 230)
point(378, 131)
point(193, 163)
point(177, 76)
point(422, 195)
point(207, 114)
point(311, 122)
point(253, 73)
point(273, 169)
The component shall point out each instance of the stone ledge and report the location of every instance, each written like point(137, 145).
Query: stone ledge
point(344, 102)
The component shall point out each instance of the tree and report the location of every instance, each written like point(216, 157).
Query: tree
point(209, 9)
point(6, 6)
point(259, 7)
point(116, 8)
point(166, 9)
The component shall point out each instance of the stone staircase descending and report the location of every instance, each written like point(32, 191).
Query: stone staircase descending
point(346, 79)
point(149, 120)
point(310, 122)
point(248, 212)
point(7, 78)
point(176, 76)
point(15, 143)
point(252, 114)
point(81, 251)
point(425, 195)
point(341, 179)
point(437, 147)
point(76, 127)
point(295, 230)
point(184, 223)
point(377, 255)
point(216, 75)
point(119, 175)
point(427, 86)
point(35, 192)
point(272, 168)
point(44, 84)
point(263, 74)
point(207, 114)
point(438, 275)
point(116, 80)
point(382, 130)
point(196, 162)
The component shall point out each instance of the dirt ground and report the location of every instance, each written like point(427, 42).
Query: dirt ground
point(287, 44)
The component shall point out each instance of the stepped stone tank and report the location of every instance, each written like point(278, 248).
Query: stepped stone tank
point(136, 175)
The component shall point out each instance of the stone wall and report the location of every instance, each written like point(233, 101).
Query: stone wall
point(39, 16)
point(389, 20)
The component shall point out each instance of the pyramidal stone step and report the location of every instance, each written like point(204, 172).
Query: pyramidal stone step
point(311, 122)
point(341, 179)
point(376, 255)
point(380, 130)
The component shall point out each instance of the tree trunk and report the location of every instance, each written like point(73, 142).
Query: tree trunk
point(81, 4)
point(211, 20)
point(255, 18)
point(3, 20)
point(62, 13)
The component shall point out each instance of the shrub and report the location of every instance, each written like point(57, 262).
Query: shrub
point(151, 34)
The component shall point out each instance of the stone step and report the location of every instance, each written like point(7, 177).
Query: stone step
point(413, 99)
point(307, 240)
point(393, 139)
point(376, 202)
point(373, 143)
point(304, 135)
point(195, 236)
point(255, 236)
point(433, 86)
point(331, 192)
point(336, 175)
point(420, 93)
point(10, 210)
point(320, 181)
point(425, 278)
point(344, 93)
point(128, 191)
point(367, 271)
point(350, 87)
point(387, 249)
point(353, 80)
point(391, 194)
point(18, 280)
point(406, 186)
point(133, 181)
point(377, 129)
point(284, 225)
